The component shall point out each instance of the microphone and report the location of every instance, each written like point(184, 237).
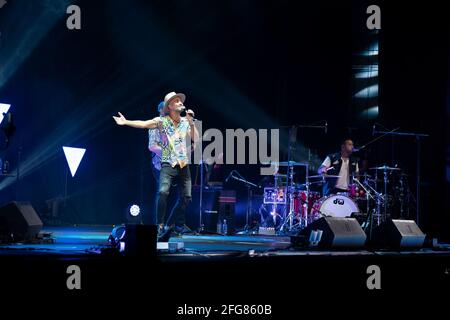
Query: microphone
point(326, 126)
point(183, 109)
point(373, 130)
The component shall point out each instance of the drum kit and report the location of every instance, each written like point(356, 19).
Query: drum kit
point(292, 206)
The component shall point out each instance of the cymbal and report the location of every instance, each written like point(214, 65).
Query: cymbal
point(324, 176)
point(286, 163)
point(386, 168)
point(361, 175)
point(319, 182)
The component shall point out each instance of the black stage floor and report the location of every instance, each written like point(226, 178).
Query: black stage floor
point(238, 269)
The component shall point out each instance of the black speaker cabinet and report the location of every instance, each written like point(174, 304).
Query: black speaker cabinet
point(209, 207)
point(19, 220)
point(398, 234)
point(337, 232)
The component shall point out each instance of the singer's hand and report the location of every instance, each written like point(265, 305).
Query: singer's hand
point(190, 116)
point(120, 120)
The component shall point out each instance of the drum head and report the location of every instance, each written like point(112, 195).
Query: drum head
point(338, 206)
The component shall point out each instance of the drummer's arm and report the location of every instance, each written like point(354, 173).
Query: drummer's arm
point(322, 169)
point(324, 166)
point(357, 171)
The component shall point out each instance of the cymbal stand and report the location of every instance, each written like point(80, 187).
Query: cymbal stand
point(289, 199)
point(290, 183)
point(288, 210)
point(401, 195)
point(369, 195)
point(307, 197)
point(379, 198)
point(417, 137)
point(385, 180)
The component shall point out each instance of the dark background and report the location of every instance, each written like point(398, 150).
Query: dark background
point(242, 64)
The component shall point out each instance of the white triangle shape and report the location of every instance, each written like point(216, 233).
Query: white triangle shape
point(4, 108)
point(73, 157)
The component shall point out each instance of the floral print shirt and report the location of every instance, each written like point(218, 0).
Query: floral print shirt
point(174, 142)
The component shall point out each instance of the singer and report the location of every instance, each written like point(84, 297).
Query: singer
point(343, 164)
point(175, 132)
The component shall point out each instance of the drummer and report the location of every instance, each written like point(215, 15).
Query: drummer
point(343, 164)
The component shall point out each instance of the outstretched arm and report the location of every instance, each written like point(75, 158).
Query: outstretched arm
point(146, 124)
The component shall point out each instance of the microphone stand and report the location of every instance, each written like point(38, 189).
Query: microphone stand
point(201, 225)
point(249, 185)
point(200, 207)
point(377, 138)
point(417, 136)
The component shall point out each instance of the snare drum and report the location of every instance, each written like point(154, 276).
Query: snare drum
point(334, 206)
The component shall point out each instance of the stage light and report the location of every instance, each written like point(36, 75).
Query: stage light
point(368, 92)
point(133, 214)
point(116, 238)
point(135, 210)
point(370, 71)
point(117, 234)
point(372, 50)
point(73, 157)
point(134, 239)
point(4, 108)
point(369, 113)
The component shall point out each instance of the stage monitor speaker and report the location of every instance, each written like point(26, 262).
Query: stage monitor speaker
point(398, 234)
point(19, 221)
point(337, 232)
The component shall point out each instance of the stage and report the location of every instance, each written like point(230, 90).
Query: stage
point(219, 261)
point(89, 240)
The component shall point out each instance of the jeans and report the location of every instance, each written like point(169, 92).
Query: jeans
point(166, 177)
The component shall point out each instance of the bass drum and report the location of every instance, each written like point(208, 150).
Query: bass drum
point(336, 205)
